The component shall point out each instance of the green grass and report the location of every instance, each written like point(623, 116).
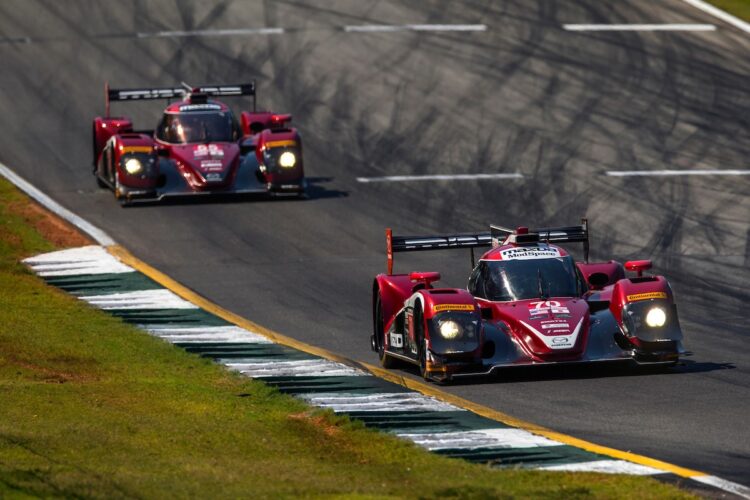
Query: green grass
point(91, 407)
point(739, 8)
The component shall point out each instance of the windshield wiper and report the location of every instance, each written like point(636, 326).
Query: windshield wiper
point(542, 295)
point(206, 134)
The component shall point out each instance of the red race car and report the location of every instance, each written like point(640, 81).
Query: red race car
point(198, 148)
point(527, 303)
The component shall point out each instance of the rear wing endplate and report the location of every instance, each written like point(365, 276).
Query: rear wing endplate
point(495, 237)
point(233, 90)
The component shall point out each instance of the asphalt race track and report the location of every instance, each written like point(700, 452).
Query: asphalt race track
point(561, 108)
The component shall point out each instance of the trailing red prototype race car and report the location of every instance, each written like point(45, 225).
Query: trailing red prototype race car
point(198, 148)
point(527, 303)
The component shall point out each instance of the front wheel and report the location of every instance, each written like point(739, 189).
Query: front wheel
point(386, 361)
point(100, 182)
point(421, 345)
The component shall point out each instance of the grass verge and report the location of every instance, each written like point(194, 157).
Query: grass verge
point(92, 407)
point(738, 8)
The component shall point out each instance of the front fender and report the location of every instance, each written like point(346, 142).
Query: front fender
point(633, 299)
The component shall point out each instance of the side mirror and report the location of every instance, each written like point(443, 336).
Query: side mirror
point(638, 266)
point(427, 278)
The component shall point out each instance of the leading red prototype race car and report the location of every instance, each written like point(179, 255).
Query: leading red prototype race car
point(198, 148)
point(527, 303)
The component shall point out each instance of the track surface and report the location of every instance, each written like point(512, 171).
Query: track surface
point(559, 107)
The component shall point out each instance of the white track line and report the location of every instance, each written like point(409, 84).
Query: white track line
point(141, 300)
point(439, 177)
point(662, 173)
point(100, 236)
point(608, 467)
point(259, 368)
point(639, 27)
point(391, 28)
point(395, 402)
point(227, 32)
point(717, 482)
point(720, 14)
point(91, 259)
point(487, 438)
point(207, 334)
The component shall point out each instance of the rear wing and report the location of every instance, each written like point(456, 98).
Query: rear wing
point(495, 237)
point(420, 243)
point(234, 90)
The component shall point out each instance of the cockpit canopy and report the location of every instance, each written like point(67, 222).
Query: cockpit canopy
point(195, 126)
point(521, 279)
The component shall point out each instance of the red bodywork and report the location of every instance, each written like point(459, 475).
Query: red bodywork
point(245, 160)
point(604, 321)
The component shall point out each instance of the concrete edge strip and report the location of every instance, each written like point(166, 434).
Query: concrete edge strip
point(182, 291)
point(720, 14)
point(94, 232)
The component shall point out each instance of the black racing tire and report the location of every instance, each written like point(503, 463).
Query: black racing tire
point(386, 361)
point(100, 182)
point(124, 201)
point(419, 335)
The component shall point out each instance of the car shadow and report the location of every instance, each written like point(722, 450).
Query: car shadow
point(543, 373)
point(316, 190)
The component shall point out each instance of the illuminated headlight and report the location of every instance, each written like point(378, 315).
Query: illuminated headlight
point(287, 159)
point(450, 329)
point(133, 166)
point(656, 317)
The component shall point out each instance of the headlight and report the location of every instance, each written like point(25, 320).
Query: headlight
point(287, 159)
point(656, 317)
point(133, 166)
point(450, 329)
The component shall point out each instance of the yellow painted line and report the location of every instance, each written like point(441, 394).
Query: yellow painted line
point(424, 388)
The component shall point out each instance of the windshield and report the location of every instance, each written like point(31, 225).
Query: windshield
point(190, 127)
point(508, 280)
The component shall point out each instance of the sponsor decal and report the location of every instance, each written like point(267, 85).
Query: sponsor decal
point(280, 144)
point(200, 107)
point(211, 165)
point(524, 253)
point(557, 339)
point(213, 177)
point(452, 307)
point(647, 296)
point(397, 340)
point(554, 325)
point(545, 307)
point(207, 150)
point(136, 149)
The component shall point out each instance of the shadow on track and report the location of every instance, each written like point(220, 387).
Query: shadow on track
point(315, 191)
point(582, 372)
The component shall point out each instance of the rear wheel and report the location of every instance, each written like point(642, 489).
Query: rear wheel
point(379, 335)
